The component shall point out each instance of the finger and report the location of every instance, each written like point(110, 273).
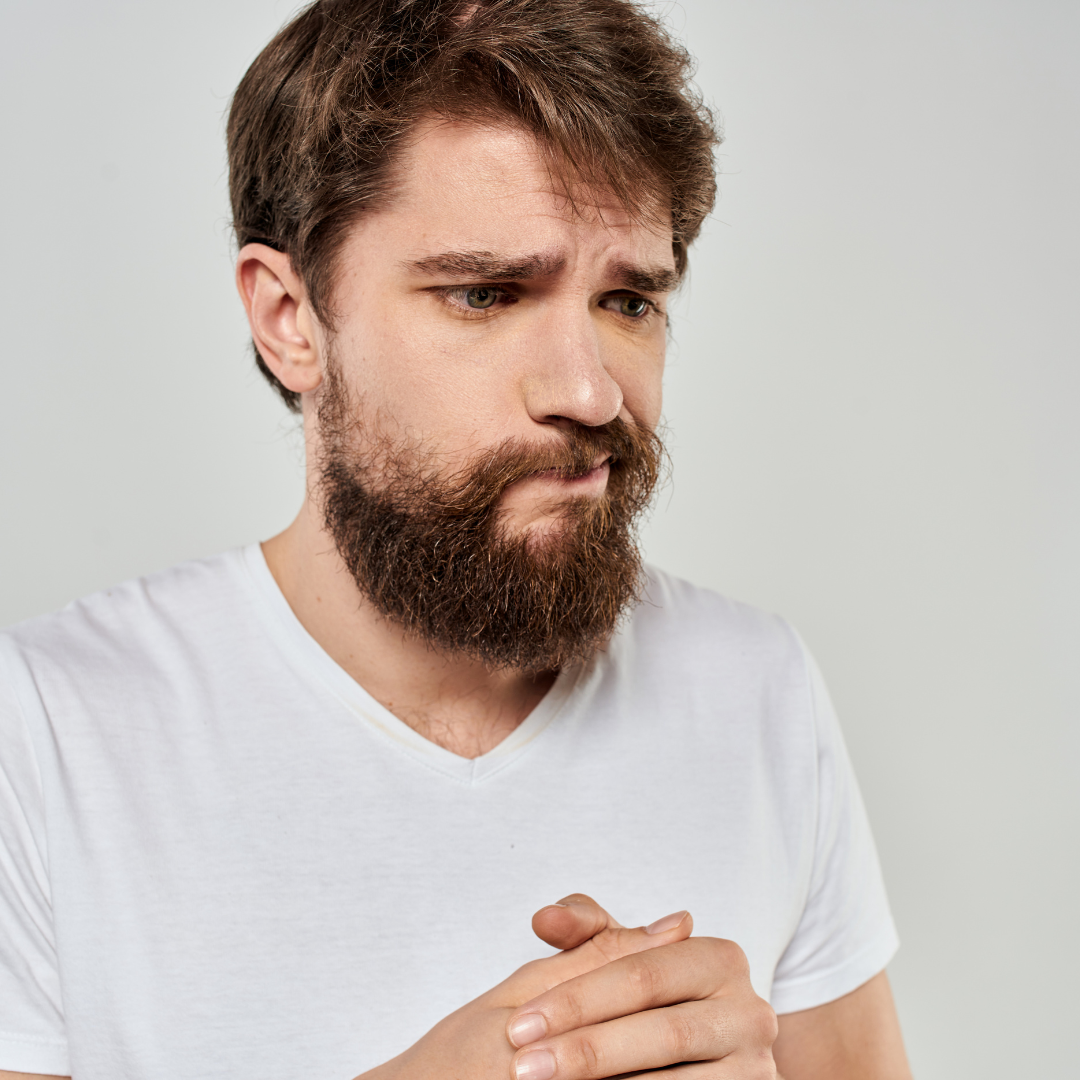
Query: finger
point(684, 970)
point(651, 1040)
point(698, 1031)
point(534, 978)
point(618, 941)
point(571, 921)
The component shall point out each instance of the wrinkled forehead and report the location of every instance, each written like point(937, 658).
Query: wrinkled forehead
point(483, 171)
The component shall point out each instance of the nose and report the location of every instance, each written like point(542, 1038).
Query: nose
point(568, 379)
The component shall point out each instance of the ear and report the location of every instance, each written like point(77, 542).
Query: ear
point(282, 323)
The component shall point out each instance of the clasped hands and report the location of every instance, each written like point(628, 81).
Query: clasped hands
point(615, 1001)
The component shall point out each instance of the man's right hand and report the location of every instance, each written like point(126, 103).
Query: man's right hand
point(473, 1043)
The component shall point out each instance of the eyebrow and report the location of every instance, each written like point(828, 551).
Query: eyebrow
point(657, 279)
point(487, 266)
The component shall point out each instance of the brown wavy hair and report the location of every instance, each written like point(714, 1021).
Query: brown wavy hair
point(317, 119)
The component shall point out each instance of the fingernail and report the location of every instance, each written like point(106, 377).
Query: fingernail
point(535, 1065)
point(668, 922)
point(528, 1028)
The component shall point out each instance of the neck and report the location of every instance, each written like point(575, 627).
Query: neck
point(450, 699)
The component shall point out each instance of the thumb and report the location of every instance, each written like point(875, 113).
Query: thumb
point(571, 921)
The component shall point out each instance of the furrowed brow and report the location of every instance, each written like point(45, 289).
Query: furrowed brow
point(654, 279)
point(485, 266)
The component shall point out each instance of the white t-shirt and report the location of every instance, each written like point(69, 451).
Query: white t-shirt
point(220, 857)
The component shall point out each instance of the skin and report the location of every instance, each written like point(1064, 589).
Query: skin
point(553, 351)
point(567, 342)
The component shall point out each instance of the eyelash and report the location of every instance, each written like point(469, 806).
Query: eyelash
point(455, 297)
point(459, 292)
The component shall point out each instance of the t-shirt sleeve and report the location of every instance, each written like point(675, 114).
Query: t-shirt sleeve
point(846, 933)
point(32, 1036)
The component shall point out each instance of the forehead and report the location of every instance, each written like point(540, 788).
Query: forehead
point(487, 187)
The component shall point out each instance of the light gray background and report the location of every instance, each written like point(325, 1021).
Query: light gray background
point(873, 397)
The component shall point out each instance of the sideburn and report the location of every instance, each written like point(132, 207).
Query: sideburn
point(427, 553)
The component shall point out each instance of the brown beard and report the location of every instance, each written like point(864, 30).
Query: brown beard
point(428, 553)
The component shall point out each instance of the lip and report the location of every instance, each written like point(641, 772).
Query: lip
point(553, 474)
point(540, 495)
point(595, 476)
point(601, 467)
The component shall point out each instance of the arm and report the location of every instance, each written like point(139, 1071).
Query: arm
point(30, 1076)
point(856, 1037)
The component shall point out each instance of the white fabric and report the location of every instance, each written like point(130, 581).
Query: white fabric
point(220, 857)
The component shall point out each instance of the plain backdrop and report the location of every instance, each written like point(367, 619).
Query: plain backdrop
point(872, 396)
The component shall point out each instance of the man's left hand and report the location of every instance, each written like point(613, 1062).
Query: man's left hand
point(855, 1037)
point(688, 1002)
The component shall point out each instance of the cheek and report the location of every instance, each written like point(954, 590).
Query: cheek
point(642, 384)
point(417, 384)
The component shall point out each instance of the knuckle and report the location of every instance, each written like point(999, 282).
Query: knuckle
point(713, 949)
point(570, 1010)
point(534, 977)
point(732, 956)
point(765, 1025)
point(530, 967)
point(725, 960)
point(646, 978)
point(680, 1036)
point(612, 944)
point(529, 975)
point(590, 1056)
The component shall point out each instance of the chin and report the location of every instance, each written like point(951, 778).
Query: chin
point(547, 533)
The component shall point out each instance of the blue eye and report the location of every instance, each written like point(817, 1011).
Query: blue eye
point(481, 297)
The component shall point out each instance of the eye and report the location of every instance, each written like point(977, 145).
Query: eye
point(633, 307)
point(482, 296)
point(476, 299)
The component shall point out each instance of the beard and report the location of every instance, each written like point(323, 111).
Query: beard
point(429, 552)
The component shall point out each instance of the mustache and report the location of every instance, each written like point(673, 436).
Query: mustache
point(413, 479)
point(571, 453)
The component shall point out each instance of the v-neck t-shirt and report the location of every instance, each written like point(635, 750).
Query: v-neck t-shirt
point(220, 856)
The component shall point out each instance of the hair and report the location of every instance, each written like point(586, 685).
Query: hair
point(429, 552)
point(319, 117)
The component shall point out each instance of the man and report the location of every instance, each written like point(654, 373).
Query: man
point(286, 812)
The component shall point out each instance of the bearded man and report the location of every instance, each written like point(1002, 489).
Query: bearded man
point(286, 812)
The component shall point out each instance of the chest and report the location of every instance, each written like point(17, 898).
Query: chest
point(292, 906)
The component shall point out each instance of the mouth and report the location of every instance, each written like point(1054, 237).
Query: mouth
point(600, 467)
point(551, 487)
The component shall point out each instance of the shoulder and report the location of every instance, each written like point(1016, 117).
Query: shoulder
point(715, 664)
point(678, 618)
point(729, 687)
point(139, 624)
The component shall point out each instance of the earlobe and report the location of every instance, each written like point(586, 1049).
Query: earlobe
point(283, 326)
